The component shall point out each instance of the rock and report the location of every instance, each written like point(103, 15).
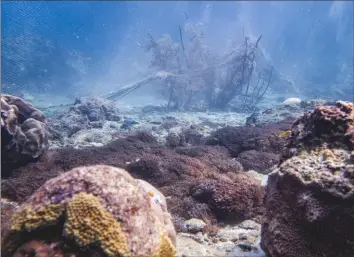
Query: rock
point(311, 192)
point(128, 123)
point(192, 137)
point(90, 137)
point(282, 113)
point(86, 113)
point(114, 125)
point(227, 234)
point(231, 240)
point(245, 250)
point(168, 124)
point(24, 134)
point(250, 224)
point(97, 109)
point(96, 204)
point(69, 123)
point(195, 225)
point(96, 124)
point(292, 101)
point(173, 140)
point(187, 247)
point(261, 177)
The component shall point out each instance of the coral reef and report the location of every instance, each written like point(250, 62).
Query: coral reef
point(24, 134)
point(196, 185)
point(310, 195)
point(173, 172)
point(96, 207)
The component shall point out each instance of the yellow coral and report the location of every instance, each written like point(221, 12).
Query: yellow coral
point(89, 223)
point(29, 219)
point(167, 249)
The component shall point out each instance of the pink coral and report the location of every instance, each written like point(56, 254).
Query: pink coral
point(121, 202)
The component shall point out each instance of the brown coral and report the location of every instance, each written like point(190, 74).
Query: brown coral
point(310, 195)
point(237, 200)
point(30, 219)
point(103, 206)
point(258, 160)
point(173, 172)
point(239, 139)
point(23, 130)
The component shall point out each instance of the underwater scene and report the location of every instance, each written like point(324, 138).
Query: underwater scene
point(177, 128)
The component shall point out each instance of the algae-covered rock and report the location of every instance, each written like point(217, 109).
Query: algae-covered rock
point(310, 195)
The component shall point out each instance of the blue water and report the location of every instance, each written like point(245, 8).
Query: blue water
point(311, 42)
point(85, 26)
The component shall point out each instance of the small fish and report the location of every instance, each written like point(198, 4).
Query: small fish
point(202, 129)
point(151, 194)
point(285, 133)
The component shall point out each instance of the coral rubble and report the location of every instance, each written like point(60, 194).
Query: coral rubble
point(86, 113)
point(310, 195)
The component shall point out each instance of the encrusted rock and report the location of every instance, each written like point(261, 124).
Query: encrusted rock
point(84, 114)
point(195, 225)
point(310, 195)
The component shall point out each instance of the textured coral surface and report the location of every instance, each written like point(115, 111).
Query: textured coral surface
point(310, 195)
point(24, 133)
point(98, 208)
point(173, 172)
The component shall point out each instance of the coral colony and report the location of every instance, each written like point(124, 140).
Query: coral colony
point(138, 196)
